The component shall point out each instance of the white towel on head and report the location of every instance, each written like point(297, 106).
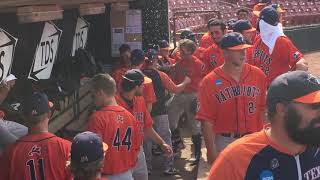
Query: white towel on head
point(269, 34)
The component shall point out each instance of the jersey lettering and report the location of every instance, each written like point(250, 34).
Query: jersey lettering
point(313, 173)
point(126, 141)
point(237, 91)
point(32, 169)
point(264, 59)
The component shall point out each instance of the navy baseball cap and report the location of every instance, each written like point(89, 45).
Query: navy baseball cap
point(36, 104)
point(137, 56)
point(233, 41)
point(152, 55)
point(163, 44)
point(297, 86)
point(277, 7)
point(87, 147)
point(135, 76)
point(243, 26)
point(270, 15)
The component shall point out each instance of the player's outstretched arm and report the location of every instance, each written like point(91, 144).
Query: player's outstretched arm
point(154, 136)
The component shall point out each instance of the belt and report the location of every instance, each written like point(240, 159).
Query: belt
point(233, 135)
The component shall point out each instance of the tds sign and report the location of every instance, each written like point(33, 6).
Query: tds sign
point(7, 46)
point(46, 52)
point(81, 35)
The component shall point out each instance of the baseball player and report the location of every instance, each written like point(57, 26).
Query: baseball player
point(163, 84)
point(130, 98)
point(40, 154)
point(165, 62)
point(137, 62)
point(87, 156)
point(243, 14)
point(10, 131)
point(237, 92)
point(245, 28)
point(117, 127)
point(188, 34)
point(207, 39)
point(181, 102)
point(213, 56)
point(274, 52)
point(288, 147)
point(124, 63)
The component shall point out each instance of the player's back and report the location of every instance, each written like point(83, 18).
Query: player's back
point(41, 156)
point(119, 129)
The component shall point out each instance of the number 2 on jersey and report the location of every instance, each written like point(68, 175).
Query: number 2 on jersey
point(32, 169)
point(126, 141)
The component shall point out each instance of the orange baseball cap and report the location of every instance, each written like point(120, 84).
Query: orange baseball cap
point(234, 41)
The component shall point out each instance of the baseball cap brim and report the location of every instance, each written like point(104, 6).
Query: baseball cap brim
point(239, 47)
point(250, 30)
point(105, 147)
point(311, 98)
point(147, 80)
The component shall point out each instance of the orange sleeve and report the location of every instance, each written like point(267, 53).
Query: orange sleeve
point(171, 60)
point(223, 169)
point(96, 125)
point(294, 54)
point(148, 93)
point(167, 82)
point(263, 94)
point(148, 122)
point(205, 41)
point(206, 106)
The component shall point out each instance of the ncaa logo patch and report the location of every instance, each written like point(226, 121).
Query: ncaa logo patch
point(218, 82)
point(266, 175)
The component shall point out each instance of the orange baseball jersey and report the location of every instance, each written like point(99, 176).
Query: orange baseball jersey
point(233, 107)
point(249, 55)
point(120, 130)
point(137, 108)
point(117, 75)
point(283, 58)
point(206, 40)
point(256, 157)
point(36, 156)
point(167, 82)
point(148, 91)
point(194, 69)
point(213, 57)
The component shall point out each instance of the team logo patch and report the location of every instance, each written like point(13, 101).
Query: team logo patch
point(35, 150)
point(218, 82)
point(266, 175)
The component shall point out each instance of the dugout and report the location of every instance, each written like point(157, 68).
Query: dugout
point(39, 42)
point(306, 37)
